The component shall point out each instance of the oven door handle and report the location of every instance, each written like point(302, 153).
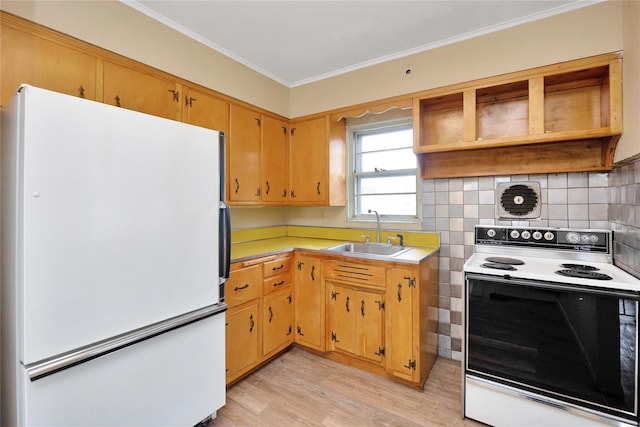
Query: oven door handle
point(553, 285)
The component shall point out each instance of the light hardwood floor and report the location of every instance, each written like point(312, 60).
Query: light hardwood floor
point(302, 389)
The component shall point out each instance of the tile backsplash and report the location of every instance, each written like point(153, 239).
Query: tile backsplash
point(454, 206)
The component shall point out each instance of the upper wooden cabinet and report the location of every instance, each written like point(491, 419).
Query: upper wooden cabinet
point(561, 118)
point(243, 177)
point(275, 150)
point(317, 162)
point(134, 90)
point(202, 109)
point(44, 63)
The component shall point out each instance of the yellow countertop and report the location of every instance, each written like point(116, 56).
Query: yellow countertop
point(243, 251)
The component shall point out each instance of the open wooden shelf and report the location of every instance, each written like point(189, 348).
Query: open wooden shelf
point(560, 118)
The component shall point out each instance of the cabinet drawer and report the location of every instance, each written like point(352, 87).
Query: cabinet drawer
point(277, 266)
point(275, 283)
point(355, 273)
point(243, 285)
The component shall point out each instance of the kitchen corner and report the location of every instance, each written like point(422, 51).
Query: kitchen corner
point(289, 284)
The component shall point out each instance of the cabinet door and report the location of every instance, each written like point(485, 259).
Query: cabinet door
point(274, 161)
point(201, 109)
point(309, 302)
point(42, 63)
point(244, 155)
point(369, 319)
point(277, 321)
point(401, 338)
point(341, 318)
point(308, 162)
point(242, 339)
point(131, 89)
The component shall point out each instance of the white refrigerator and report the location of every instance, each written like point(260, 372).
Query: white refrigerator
point(115, 248)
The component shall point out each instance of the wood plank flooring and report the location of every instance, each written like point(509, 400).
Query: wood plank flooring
point(302, 389)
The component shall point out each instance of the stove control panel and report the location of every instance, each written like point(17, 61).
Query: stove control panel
point(551, 238)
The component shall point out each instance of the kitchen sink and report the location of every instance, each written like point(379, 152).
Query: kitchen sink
point(370, 249)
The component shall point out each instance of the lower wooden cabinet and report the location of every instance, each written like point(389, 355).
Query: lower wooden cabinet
point(242, 339)
point(379, 316)
point(309, 301)
point(355, 321)
point(260, 315)
point(277, 321)
point(412, 321)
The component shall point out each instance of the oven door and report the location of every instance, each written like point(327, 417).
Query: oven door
point(570, 343)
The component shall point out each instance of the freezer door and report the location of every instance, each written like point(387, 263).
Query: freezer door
point(174, 379)
point(117, 218)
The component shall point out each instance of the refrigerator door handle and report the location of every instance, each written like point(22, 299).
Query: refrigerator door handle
point(225, 242)
point(46, 367)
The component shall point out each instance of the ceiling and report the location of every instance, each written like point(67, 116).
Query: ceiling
point(298, 42)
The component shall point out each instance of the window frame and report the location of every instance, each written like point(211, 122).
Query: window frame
point(352, 138)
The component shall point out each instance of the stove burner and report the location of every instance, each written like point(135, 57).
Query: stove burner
point(501, 260)
point(498, 266)
point(580, 267)
point(584, 274)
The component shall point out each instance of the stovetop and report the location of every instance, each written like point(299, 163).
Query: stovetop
point(567, 256)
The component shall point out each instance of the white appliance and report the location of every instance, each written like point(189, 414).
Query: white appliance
point(551, 330)
point(113, 232)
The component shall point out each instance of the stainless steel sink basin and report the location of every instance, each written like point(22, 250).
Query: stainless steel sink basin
point(369, 248)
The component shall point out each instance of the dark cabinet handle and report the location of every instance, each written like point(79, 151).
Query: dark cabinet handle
point(252, 323)
point(313, 270)
point(289, 333)
point(299, 330)
point(280, 283)
point(362, 307)
point(117, 99)
point(270, 314)
point(81, 91)
point(300, 264)
point(293, 193)
point(268, 188)
point(176, 95)
point(318, 188)
point(399, 290)
point(257, 192)
point(245, 286)
point(284, 193)
point(188, 101)
point(279, 267)
point(237, 185)
point(347, 304)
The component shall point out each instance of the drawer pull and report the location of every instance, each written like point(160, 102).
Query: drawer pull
point(239, 288)
point(278, 283)
point(270, 314)
point(280, 267)
point(252, 323)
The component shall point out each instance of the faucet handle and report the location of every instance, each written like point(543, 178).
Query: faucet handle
point(367, 238)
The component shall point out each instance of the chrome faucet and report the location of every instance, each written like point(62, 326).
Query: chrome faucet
point(377, 225)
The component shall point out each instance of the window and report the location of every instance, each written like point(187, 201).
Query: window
point(384, 172)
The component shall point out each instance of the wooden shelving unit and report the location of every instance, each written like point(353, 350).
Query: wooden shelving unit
point(561, 118)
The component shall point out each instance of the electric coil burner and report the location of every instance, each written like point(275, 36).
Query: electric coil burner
point(550, 329)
